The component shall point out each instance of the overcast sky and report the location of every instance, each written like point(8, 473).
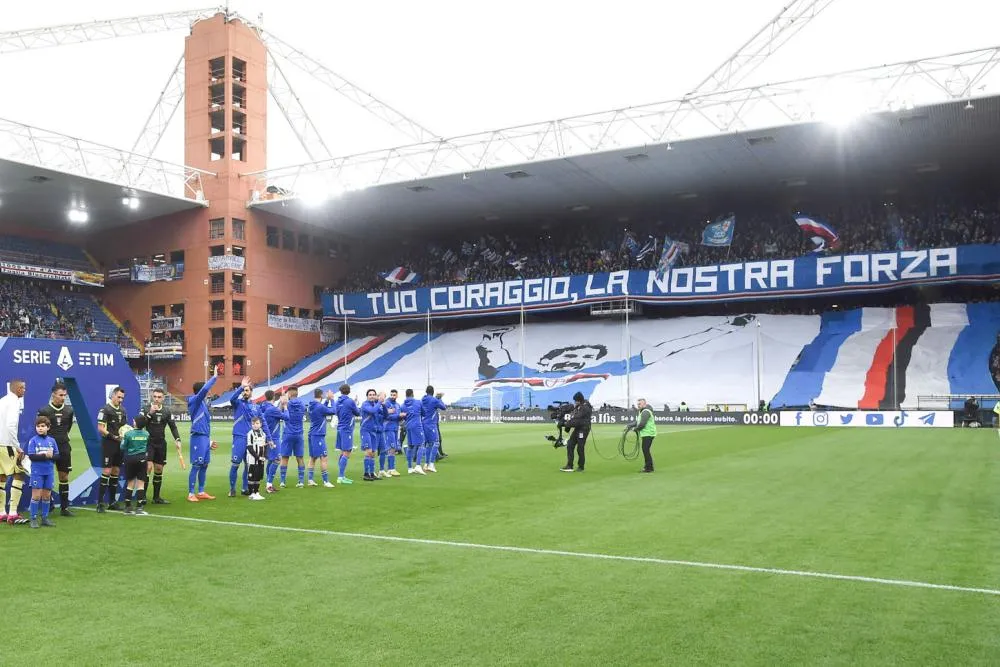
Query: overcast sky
point(461, 67)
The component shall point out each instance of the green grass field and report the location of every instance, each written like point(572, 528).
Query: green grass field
point(307, 578)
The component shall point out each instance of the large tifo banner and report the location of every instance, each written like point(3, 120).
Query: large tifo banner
point(870, 419)
point(800, 277)
point(50, 273)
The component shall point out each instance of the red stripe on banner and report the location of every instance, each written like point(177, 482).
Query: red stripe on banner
point(877, 378)
point(327, 370)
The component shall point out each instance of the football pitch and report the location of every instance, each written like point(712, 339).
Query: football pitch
point(751, 546)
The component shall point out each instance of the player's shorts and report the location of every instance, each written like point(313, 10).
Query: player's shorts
point(415, 436)
point(292, 445)
point(8, 461)
point(64, 462)
point(200, 450)
point(370, 440)
point(111, 454)
point(390, 440)
point(317, 446)
point(239, 449)
point(135, 467)
point(42, 481)
point(273, 453)
point(157, 452)
point(430, 434)
point(345, 441)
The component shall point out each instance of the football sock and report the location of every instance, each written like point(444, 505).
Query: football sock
point(434, 454)
point(233, 472)
point(157, 484)
point(271, 466)
point(312, 473)
point(418, 458)
point(392, 461)
point(34, 509)
point(202, 474)
point(326, 476)
point(45, 509)
point(409, 457)
point(128, 497)
point(15, 496)
point(381, 461)
point(284, 473)
point(192, 478)
point(102, 488)
point(302, 474)
point(140, 496)
point(342, 465)
point(112, 488)
point(64, 495)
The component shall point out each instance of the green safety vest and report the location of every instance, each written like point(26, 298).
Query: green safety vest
point(650, 428)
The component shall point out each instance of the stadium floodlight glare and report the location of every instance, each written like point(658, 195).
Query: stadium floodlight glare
point(78, 215)
point(130, 202)
point(839, 104)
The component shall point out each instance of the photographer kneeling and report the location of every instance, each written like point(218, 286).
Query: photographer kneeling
point(579, 421)
point(645, 428)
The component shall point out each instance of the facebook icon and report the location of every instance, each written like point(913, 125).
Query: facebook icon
point(875, 419)
point(798, 418)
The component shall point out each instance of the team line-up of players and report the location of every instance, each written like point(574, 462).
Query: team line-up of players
point(257, 432)
point(258, 442)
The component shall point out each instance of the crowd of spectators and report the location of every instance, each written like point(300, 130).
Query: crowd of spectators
point(45, 309)
point(574, 248)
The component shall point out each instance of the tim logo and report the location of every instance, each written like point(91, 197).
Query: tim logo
point(65, 359)
point(899, 419)
point(927, 419)
point(876, 419)
point(846, 419)
point(96, 359)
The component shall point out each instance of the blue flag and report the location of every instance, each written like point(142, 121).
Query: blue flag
point(720, 232)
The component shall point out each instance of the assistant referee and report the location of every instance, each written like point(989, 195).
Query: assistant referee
point(60, 416)
point(158, 418)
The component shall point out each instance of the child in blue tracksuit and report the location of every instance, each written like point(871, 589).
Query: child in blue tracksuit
point(42, 450)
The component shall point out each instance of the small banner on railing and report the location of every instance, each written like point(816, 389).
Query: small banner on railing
point(292, 323)
point(227, 263)
point(50, 273)
point(142, 273)
point(170, 350)
point(162, 324)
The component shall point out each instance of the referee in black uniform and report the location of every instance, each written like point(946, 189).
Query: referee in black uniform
point(158, 418)
point(60, 416)
point(110, 419)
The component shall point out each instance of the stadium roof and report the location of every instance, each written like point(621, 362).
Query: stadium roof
point(31, 196)
point(884, 150)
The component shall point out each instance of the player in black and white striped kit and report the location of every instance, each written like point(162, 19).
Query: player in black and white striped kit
point(256, 457)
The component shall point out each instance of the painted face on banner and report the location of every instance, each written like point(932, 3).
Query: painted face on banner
point(573, 358)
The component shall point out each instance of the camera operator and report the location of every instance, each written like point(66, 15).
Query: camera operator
point(579, 421)
point(971, 417)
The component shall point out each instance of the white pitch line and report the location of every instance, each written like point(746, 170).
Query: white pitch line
point(594, 556)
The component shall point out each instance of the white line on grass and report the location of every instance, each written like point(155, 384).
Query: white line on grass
point(593, 556)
